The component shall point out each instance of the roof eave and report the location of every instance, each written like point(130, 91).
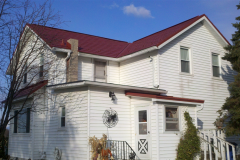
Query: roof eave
point(102, 84)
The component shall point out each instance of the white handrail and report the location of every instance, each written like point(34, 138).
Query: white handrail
point(220, 145)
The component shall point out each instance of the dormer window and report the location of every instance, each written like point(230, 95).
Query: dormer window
point(100, 71)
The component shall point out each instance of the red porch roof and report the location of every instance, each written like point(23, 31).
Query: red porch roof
point(29, 90)
point(163, 97)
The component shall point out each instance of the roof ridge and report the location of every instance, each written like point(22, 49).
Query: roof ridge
point(77, 32)
point(166, 28)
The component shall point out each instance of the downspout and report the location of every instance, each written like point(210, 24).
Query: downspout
point(201, 108)
point(198, 111)
point(153, 71)
point(68, 55)
point(157, 118)
point(158, 69)
point(33, 128)
point(88, 126)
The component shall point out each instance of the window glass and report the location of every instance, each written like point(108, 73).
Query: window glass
point(41, 71)
point(215, 60)
point(143, 128)
point(184, 54)
point(63, 117)
point(142, 120)
point(215, 65)
point(172, 119)
point(100, 69)
point(41, 59)
point(142, 116)
point(22, 121)
point(185, 64)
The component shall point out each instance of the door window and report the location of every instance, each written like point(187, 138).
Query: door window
point(142, 120)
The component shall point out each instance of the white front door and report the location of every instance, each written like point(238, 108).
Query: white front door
point(143, 134)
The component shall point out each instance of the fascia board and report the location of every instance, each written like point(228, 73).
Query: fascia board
point(100, 84)
point(217, 32)
point(175, 101)
point(27, 27)
point(121, 58)
point(178, 34)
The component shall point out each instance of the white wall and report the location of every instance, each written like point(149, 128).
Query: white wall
point(73, 139)
point(138, 71)
point(20, 144)
point(85, 68)
point(113, 72)
point(201, 84)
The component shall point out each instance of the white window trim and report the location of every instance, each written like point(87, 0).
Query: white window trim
point(220, 63)
point(60, 128)
point(179, 119)
point(189, 47)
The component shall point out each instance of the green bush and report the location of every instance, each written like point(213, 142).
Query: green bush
point(189, 144)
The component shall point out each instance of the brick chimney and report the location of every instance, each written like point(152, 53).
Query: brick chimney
point(72, 62)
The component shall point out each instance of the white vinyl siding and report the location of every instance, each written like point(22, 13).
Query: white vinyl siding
point(113, 72)
point(73, 139)
point(138, 71)
point(85, 69)
point(200, 85)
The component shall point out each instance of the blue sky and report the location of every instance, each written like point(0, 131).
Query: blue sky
point(129, 20)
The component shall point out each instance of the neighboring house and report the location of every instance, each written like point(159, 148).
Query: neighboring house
point(154, 79)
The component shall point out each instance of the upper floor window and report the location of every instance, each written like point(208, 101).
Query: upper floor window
point(172, 119)
point(25, 74)
point(100, 71)
point(215, 65)
point(185, 60)
point(41, 65)
point(22, 121)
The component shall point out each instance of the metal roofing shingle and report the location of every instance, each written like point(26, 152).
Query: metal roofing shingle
point(108, 47)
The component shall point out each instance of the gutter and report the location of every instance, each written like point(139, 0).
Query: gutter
point(55, 49)
point(102, 84)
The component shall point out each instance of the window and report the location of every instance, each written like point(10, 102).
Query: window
point(41, 71)
point(172, 119)
point(22, 121)
point(25, 74)
point(142, 121)
point(215, 65)
point(63, 113)
point(100, 71)
point(185, 60)
point(41, 65)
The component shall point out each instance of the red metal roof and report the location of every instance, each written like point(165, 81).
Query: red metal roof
point(108, 47)
point(163, 97)
point(29, 89)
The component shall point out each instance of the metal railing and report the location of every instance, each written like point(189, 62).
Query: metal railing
point(121, 150)
point(215, 144)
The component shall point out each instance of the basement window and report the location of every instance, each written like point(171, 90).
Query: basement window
point(172, 119)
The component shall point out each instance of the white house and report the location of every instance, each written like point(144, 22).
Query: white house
point(151, 83)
